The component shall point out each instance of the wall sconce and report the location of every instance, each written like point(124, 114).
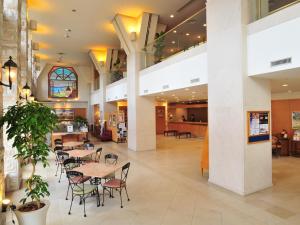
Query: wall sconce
point(8, 66)
point(35, 46)
point(5, 204)
point(36, 58)
point(25, 92)
point(101, 63)
point(132, 36)
point(31, 98)
point(33, 25)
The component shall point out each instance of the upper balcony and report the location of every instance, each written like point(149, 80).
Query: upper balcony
point(188, 34)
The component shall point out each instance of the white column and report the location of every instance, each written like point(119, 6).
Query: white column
point(234, 164)
point(2, 181)
point(11, 47)
point(141, 110)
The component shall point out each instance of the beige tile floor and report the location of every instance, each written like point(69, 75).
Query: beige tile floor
point(166, 188)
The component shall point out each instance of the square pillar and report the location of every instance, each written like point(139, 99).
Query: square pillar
point(234, 164)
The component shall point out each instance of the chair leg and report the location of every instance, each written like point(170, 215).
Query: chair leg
point(127, 194)
point(103, 189)
point(120, 192)
point(84, 206)
point(61, 171)
point(98, 197)
point(68, 192)
point(71, 204)
point(57, 169)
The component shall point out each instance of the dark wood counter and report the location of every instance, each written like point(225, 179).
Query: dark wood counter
point(197, 129)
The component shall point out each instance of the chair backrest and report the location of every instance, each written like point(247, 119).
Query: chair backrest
point(62, 156)
point(75, 180)
point(89, 146)
point(58, 148)
point(111, 159)
point(58, 142)
point(86, 141)
point(124, 172)
point(70, 164)
point(98, 154)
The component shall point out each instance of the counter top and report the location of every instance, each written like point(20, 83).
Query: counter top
point(189, 122)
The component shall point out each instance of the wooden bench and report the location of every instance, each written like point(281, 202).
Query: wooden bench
point(187, 134)
point(172, 132)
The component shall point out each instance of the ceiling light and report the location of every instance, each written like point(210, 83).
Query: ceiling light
point(173, 42)
point(187, 34)
point(285, 85)
point(199, 37)
point(172, 16)
point(172, 50)
point(204, 25)
point(174, 31)
point(68, 30)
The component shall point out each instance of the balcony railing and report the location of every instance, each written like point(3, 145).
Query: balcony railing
point(188, 34)
point(267, 7)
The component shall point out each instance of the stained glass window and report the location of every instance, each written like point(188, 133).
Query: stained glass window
point(63, 82)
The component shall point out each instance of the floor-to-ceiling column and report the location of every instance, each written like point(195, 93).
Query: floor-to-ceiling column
point(2, 181)
point(234, 164)
point(134, 34)
point(11, 47)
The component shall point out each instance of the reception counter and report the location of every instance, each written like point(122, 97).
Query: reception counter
point(197, 129)
point(69, 136)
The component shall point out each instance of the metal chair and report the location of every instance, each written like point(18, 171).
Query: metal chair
point(110, 159)
point(61, 156)
point(58, 142)
point(81, 189)
point(70, 164)
point(118, 184)
point(88, 146)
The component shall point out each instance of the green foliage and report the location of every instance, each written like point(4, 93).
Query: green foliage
point(82, 121)
point(159, 46)
point(27, 124)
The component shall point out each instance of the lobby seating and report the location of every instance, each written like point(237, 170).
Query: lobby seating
point(118, 184)
point(171, 132)
point(187, 134)
point(276, 146)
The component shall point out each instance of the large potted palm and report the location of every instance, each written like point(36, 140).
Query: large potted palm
point(27, 125)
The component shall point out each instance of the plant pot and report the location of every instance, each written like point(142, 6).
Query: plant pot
point(36, 217)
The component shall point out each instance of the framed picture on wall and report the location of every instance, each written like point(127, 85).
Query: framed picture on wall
point(295, 120)
point(258, 126)
point(65, 114)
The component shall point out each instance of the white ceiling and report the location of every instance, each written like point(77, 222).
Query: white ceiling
point(91, 23)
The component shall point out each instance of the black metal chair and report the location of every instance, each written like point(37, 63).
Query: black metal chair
point(88, 146)
point(61, 156)
point(70, 164)
point(81, 189)
point(58, 142)
point(110, 159)
point(118, 184)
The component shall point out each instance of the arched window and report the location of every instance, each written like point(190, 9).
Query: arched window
point(62, 82)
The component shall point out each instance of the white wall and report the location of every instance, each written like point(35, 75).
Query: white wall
point(95, 97)
point(273, 38)
point(117, 90)
point(85, 74)
point(175, 72)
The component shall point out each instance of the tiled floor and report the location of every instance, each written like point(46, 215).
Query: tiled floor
point(166, 188)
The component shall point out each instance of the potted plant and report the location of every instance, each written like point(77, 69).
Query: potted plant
point(159, 46)
point(27, 125)
point(81, 122)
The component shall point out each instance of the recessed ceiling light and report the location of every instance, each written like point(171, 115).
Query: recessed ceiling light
point(173, 42)
point(198, 36)
point(68, 30)
point(204, 25)
point(187, 34)
point(285, 85)
point(172, 50)
point(174, 31)
point(172, 16)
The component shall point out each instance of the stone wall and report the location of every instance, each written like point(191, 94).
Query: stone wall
point(2, 180)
